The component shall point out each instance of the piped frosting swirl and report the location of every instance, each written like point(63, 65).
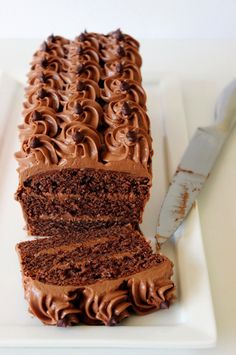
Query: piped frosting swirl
point(88, 112)
point(122, 69)
point(78, 141)
point(37, 149)
point(41, 121)
point(126, 142)
point(126, 112)
point(118, 89)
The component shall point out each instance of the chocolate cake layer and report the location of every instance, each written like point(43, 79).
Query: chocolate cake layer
point(78, 207)
point(84, 237)
point(85, 132)
point(85, 182)
point(47, 226)
point(96, 278)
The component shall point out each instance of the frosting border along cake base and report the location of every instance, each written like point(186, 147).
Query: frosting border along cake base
point(107, 302)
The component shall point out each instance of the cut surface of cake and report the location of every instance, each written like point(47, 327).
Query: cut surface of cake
point(98, 277)
point(85, 158)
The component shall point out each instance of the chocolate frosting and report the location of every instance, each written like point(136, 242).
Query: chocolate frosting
point(86, 111)
point(126, 142)
point(88, 40)
point(89, 89)
point(126, 112)
point(38, 148)
point(117, 51)
point(121, 37)
point(78, 141)
point(122, 69)
point(45, 61)
point(88, 70)
point(39, 96)
point(84, 89)
point(55, 46)
point(83, 53)
point(50, 78)
point(40, 121)
point(118, 89)
point(105, 302)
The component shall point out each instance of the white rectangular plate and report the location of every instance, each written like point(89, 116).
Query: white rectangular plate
point(190, 320)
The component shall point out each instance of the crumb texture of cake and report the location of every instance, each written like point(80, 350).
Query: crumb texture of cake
point(94, 278)
point(86, 146)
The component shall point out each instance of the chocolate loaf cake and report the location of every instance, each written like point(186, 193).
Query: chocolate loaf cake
point(85, 158)
point(94, 278)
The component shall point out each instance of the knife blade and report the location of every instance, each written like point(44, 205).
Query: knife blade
point(196, 165)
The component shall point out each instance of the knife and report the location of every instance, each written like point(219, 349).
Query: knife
point(196, 165)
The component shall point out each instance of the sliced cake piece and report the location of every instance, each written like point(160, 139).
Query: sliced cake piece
point(85, 157)
point(96, 277)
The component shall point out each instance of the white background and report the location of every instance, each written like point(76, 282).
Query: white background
point(142, 18)
point(195, 39)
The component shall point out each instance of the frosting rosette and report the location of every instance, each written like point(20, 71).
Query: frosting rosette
point(78, 141)
point(51, 308)
point(122, 69)
point(126, 112)
point(127, 142)
point(38, 96)
point(84, 89)
point(54, 40)
point(83, 53)
point(109, 309)
point(118, 89)
point(88, 112)
point(114, 51)
point(49, 78)
point(55, 46)
point(88, 70)
point(146, 296)
point(41, 121)
point(52, 63)
point(119, 37)
point(88, 39)
point(37, 149)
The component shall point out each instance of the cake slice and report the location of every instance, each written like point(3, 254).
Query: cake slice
point(85, 157)
point(96, 277)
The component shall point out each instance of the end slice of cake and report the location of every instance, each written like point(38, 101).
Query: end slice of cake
point(99, 277)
